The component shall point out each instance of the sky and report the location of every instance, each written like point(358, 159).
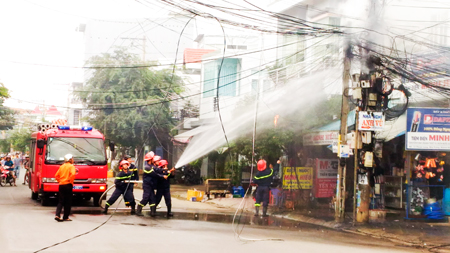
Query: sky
point(41, 52)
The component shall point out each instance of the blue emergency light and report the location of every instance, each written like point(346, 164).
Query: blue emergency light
point(85, 128)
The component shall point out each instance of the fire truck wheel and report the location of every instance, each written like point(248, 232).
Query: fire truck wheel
point(97, 200)
point(44, 200)
point(34, 195)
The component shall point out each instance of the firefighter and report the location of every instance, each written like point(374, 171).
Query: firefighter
point(149, 184)
point(134, 170)
point(122, 188)
point(263, 179)
point(164, 187)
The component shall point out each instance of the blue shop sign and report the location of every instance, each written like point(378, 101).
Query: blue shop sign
point(428, 129)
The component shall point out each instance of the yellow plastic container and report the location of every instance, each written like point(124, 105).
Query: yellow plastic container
point(110, 174)
point(198, 195)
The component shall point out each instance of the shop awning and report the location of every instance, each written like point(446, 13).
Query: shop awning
point(336, 126)
point(186, 136)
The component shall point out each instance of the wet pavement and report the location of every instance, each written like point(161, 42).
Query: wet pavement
point(239, 220)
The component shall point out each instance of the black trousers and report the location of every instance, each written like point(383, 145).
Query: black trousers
point(148, 196)
point(163, 192)
point(65, 200)
point(262, 195)
point(127, 195)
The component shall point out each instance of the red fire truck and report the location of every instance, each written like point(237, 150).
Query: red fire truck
point(48, 148)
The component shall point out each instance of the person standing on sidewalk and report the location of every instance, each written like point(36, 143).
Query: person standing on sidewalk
point(263, 179)
point(164, 187)
point(65, 177)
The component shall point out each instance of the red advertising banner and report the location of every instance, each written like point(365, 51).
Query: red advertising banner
point(326, 177)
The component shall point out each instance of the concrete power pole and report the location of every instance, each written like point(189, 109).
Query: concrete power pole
point(340, 187)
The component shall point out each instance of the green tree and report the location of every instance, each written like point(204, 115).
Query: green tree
point(129, 105)
point(190, 110)
point(6, 114)
point(5, 145)
point(20, 139)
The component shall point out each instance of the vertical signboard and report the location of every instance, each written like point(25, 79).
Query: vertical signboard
point(295, 178)
point(428, 129)
point(326, 177)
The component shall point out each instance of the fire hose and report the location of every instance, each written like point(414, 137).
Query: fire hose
point(114, 186)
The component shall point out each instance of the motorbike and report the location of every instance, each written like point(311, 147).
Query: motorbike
point(189, 176)
point(6, 177)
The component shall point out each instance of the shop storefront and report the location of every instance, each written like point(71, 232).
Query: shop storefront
point(427, 151)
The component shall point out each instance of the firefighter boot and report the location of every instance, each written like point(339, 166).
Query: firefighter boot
point(105, 211)
point(169, 211)
point(153, 211)
point(133, 209)
point(256, 210)
point(139, 210)
point(265, 211)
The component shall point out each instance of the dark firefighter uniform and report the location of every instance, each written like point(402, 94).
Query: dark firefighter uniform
point(263, 179)
point(122, 188)
point(150, 182)
point(164, 190)
point(134, 175)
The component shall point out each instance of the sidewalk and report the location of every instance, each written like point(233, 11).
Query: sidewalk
point(417, 234)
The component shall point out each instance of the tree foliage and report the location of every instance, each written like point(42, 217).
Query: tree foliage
point(190, 110)
point(17, 139)
point(20, 139)
point(6, 114)
point(142, 91)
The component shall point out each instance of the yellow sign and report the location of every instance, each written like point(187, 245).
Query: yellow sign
point(295, 178)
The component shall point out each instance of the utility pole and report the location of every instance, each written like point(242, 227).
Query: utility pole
point(355, 172)
point(340, 186)
point(372, 103)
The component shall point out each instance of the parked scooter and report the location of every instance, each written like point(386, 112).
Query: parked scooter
point(189, 176)
point(6, 176)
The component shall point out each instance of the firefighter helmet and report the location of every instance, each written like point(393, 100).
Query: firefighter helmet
point(261, 165)
point(124, 162)
point(163, 162)
point(149, 156)
point(156, 158)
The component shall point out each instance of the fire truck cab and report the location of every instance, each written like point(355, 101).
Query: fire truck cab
point(47, 151)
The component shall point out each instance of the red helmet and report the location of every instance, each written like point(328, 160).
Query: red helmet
point(149, 156)
point(163, 162)
point(124, 162)
point(156, 158)
point(261, 165)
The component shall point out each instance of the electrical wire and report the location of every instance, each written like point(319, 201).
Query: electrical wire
point(90, 231)
point(99, 226)
point(135, 105)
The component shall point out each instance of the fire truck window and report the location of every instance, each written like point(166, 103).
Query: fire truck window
point(84, 150)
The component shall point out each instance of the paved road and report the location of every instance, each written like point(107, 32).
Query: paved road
point(25, 226)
